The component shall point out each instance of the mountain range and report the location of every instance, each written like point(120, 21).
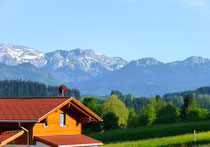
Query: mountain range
point(96, 74)
point(27, 72)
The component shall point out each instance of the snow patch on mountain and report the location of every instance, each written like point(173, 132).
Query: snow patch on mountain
point(144, 62)
point(190, 61)
point(14, 55)
point(86, 60)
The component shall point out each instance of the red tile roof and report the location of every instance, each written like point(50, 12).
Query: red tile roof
point(6, 133)
point(73, 140)
point(34, 109)
point(28, 108)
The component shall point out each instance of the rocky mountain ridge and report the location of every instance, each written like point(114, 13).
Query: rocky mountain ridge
point(96, 74)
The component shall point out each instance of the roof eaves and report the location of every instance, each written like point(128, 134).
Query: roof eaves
point(91, 144)
point(87, 110)
point(45, 141)
point(79, 109)
point(25, 121)
point(59, 106)
point(6, 141)
point(76, 102)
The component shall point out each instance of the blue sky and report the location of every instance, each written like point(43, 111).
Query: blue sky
point(167, 30)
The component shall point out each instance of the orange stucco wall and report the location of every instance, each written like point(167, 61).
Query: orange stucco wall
point(73, 126)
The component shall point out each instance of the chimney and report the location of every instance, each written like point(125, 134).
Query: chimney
point(62, 89)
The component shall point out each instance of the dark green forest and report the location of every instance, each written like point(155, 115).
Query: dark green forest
point(19, 88)
point(201, 94)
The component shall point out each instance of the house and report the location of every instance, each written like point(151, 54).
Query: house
point(44, 122)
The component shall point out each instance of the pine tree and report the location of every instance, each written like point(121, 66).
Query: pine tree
point(187, 102)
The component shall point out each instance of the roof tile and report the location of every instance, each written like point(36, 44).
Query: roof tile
point(6, 133)
point(73, 139)
point(28, 108)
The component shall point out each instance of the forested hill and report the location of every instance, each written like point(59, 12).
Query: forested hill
point(201, 90)
point(202, 95)
point(27, 72)
point(19, 88)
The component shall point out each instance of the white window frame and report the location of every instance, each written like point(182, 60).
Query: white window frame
point(63, 116)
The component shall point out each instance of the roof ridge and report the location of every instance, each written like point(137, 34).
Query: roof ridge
point(36, 97)
point(59, 135)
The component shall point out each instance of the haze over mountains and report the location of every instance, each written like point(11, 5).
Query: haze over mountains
point(96, 74)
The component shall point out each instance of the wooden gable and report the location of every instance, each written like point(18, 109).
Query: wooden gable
point(73, 104)
point(75, 114)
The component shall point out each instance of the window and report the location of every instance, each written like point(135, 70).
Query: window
point(46, 122)
point(62, 119)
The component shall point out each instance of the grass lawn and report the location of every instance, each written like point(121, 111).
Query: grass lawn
point(181, 140)
point(149, 132)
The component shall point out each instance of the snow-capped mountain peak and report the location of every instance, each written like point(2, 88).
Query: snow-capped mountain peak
point(196, 60)
point(14, 55)
point(190, 61)
point(81, 65)
point(87, 60)
point(146, 62)
point(62, 62)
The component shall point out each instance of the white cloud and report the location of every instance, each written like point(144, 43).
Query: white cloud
point(195, 2)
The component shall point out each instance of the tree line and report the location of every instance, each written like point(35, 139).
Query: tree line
point(116, 114)
point(201, 90)
point(20, 88)
point(202, 95)
point(137, 103)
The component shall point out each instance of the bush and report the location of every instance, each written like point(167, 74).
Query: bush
point(167, 115)
point(147, 115)
point(196, 114)
point(110, 121)
point(132, 118)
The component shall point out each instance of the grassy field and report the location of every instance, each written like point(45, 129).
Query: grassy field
point(182, 140)
point(148, 132)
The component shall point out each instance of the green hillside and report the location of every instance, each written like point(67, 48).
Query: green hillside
point(27, 71)
point(19, 88)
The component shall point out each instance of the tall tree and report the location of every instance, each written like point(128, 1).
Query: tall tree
point(147, 115)
point(93, 126)
point(167, 114)
point(91, 103)
point(187, 102)
point(110, 121)
point(132, 118)
point(118, 94)
point(115, 105)
point(194, 112)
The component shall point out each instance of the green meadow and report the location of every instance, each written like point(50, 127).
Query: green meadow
point(153, 131)
point(181, 140)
